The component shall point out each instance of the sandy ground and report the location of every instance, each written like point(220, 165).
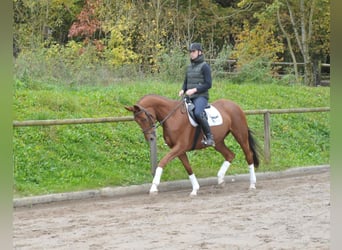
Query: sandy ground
point(286, 213)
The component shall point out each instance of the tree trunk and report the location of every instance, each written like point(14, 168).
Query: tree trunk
point(288, 40)
point(308, 68)
point(303, 39)
point(317, 71)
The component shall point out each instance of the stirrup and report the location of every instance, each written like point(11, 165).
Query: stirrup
point(208, 142)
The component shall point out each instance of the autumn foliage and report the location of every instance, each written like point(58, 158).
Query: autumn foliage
point(146, 33)
point(87, 23)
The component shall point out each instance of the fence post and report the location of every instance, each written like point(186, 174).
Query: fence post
point(267, 137)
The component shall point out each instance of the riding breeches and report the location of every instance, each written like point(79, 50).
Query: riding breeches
point(200, 104)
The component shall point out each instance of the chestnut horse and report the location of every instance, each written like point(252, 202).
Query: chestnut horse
point(179, 134)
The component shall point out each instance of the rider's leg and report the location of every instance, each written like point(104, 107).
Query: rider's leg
point(200, 104)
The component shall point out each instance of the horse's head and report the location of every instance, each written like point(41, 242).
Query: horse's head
point(146, 121)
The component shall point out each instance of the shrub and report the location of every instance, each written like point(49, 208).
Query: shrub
point(71, 65)
point(220, 65)
point(172, 65)
point(256, 71)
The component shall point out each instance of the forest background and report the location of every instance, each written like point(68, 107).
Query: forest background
point(74, 41)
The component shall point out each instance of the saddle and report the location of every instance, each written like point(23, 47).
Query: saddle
point(212, 114)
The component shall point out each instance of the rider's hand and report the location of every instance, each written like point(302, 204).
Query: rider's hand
point(190, 92)
point(181, 92)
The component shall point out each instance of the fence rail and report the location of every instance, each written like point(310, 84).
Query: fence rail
point(286, 111)
point(267, 123)
point(265, 112)
point(71, 121)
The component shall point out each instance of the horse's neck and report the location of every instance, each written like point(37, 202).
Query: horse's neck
point(163, 107)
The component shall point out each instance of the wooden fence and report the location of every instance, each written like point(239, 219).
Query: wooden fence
point(265, 112)
point(267, 123)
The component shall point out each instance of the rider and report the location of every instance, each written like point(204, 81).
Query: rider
point(196, 84)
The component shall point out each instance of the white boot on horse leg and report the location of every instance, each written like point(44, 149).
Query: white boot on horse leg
point(252, 177)
point(195, 185)
point(156, 180)
point(221, 173)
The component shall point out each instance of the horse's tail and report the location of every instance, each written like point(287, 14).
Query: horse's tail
point(255, 147)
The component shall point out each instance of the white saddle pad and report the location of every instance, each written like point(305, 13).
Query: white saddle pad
point(214, 117)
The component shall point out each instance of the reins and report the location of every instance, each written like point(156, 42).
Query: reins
point(169, 114)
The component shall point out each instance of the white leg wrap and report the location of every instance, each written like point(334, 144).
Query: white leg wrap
point(221, 173)
point(156, 180)
point(252, 177)
point(195, 185)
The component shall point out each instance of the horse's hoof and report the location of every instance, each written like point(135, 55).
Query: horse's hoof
point(193, 193)
point(221, 185)
point(252, 187)
point(153, 193)
point(153, 190)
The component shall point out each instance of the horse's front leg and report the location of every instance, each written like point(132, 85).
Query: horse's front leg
point(159, 170)
point(195, 186)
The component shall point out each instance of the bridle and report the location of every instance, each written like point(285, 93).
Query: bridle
point(153, 120)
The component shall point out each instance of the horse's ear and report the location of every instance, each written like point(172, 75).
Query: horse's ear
point(134, 108)
point(129, 108)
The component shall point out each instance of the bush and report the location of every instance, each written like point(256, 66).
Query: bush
point(220, 65)
point(71, 65)
point(74, 64)
point(172, 65)
point(256, 71)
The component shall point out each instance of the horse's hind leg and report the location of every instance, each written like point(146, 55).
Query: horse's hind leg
point(195, 186)
point(228, 156)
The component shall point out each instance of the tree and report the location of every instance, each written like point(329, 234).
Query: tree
point(87, 23)
point(301, 22)
point(40, 23)
point(141, 31)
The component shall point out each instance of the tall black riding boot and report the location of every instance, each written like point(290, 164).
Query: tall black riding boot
point(209, 139)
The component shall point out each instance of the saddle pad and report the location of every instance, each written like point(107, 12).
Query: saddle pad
point(214, 117)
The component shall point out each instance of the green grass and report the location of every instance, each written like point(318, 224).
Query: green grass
point(77, 157)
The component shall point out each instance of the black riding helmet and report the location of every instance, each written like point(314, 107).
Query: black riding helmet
point(195, 46)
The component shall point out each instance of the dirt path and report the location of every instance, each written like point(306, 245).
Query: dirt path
point(286, 213)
